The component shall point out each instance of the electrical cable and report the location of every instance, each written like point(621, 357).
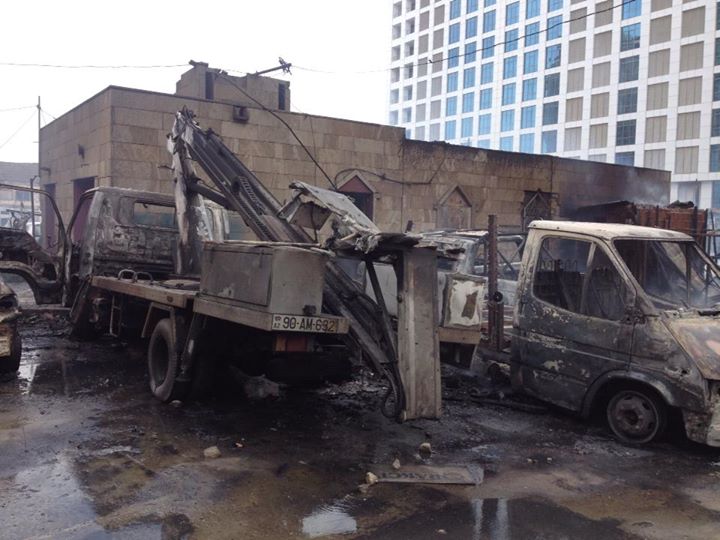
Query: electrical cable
point(18, 108)
point(283, 122)
point(469, 53)
point(17, 130)
point(89, 66)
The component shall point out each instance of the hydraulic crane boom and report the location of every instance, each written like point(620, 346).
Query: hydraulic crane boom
point(238, 189)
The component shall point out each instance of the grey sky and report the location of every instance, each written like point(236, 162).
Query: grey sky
point(347, 38)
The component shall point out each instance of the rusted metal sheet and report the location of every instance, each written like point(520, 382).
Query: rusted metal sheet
point(700, 337)
point(146, 290)
point(463, 300)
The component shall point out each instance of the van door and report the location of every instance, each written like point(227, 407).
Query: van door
point(571, 321)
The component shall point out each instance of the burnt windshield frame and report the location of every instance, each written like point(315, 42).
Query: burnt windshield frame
point(673, 274)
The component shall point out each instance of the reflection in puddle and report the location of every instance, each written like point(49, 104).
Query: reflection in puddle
point(329, 519)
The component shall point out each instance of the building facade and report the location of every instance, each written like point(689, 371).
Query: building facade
point(119, 138)
point(632, 82)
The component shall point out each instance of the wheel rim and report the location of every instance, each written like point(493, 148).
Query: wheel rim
point(161, 361)
point(633, 416)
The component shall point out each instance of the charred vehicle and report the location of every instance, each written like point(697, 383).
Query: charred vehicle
point(164, 268)
point(622, 319)
point(10, 343)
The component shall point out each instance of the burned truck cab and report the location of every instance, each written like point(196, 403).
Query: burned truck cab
point(622, 319)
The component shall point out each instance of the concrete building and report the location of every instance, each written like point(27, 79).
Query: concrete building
point(118, 138)
point(630, 82)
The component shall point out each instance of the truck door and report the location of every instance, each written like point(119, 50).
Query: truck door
point(571, 323)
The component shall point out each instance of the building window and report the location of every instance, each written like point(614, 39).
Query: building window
point(629, 68)
point(511, 40)
point(453, 57)
point(532, 9)
point(486, 98)
point(532, 34)
point(488, 46)
point(715, 201)
point(489, 21)
point(506, 143)
point(507, 120)
point(554, 27)
point(407, 93)
point(512, 13)
point(529, 91)
point(452, 82)
point(715, 123)
point(454, 9)
point(410, 27)
point(527, 117)
point(631, 8)
point(484, 123)
point(489, 3)
point(508, 94)
point(483, 143)
point(627, 100)
point(408, 71)
point(472, 6)
point(717, 51)
point(466, 127)
point(393, 118)
point(469, 77)
point(454, 33)
point(486, 73)
point(530, 62)
point(552, 85)
point(548, 143)
point(550, 113)
point(471, 27)
point(394, 96)
point(451, 106)
point(434, 132)
point(554, 5)
point(552, 56)
point(625, 133)
point(407, 115)
point(625, 158)
point(716, 87)
point(630, 37)
point(715, 167)
point(510, 67)
point(468, 102)
point(527, 143)
point(470, 55)
point(450, 129)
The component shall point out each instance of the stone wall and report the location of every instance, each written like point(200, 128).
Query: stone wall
point(431, 184)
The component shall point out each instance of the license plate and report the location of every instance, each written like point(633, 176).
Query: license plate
point(299, 323)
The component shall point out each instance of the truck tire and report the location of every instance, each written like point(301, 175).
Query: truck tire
point(636, 415)
point(10, 364)
point(164, 363)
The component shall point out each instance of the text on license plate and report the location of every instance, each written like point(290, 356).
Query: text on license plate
point(298, 323)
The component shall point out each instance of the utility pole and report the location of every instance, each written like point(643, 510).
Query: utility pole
point(32, 194)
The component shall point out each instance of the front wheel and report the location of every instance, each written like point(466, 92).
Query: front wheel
point(164, 363)
point(636, 416)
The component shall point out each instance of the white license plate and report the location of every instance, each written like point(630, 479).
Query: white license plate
point(299, 323)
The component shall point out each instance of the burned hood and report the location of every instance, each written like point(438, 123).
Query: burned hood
point(700, 338)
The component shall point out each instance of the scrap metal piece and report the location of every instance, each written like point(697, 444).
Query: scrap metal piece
point(426, 474)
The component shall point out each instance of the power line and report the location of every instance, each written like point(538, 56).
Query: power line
point(90, 66)
point(469, 53)
point(18, 108)
point(17, 130)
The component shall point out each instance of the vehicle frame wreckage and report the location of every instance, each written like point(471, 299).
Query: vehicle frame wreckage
point(621, 318)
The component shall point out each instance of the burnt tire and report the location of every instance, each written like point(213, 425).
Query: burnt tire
point(11, 363)
point(636, 416)
point(164, 363)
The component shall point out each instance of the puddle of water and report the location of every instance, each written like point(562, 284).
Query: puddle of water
point(329, 519)
point(500, 519)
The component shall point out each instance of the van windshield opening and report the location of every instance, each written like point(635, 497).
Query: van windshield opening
point(673, 274)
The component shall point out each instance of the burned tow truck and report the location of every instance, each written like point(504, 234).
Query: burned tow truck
point(620, 319)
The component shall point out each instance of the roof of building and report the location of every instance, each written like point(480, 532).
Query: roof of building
point(609, 231)
point(17, 173)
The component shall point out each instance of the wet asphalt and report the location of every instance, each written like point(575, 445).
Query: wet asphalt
point(86, 452)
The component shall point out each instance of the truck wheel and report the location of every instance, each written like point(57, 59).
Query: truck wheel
point(10, 364)
point(164, 363)
point(636, 416)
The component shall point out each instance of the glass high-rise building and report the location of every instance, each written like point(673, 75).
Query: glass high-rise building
point(634, 82)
